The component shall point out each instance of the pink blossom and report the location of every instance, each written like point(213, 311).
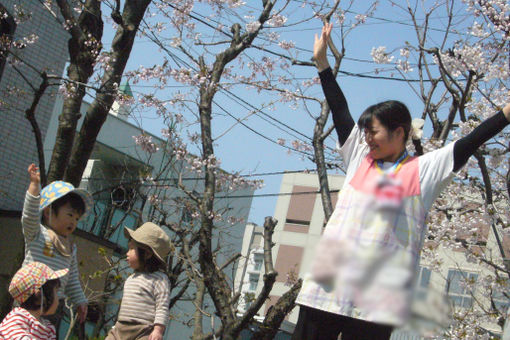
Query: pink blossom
point(145, 142)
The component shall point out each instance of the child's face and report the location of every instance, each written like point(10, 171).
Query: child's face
point(132, 256)
point(64, 221)
point(53, 308)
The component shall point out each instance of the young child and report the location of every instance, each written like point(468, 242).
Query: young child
point(34, 287)
point(62, 206)
point(144, 309)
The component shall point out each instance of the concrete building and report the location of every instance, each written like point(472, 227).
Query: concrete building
point(300, 223)
point(48, 53)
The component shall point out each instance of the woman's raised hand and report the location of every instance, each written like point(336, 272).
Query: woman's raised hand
point(320, 47)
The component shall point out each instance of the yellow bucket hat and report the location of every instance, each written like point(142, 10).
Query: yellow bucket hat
point(58, 189)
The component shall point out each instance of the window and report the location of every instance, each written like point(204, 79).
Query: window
point(186, 216)
point(501, 300)
point(422, 284)
point(458, 287)
point(297, 222)
point(254, 280)
point(258, 261)
point(248, 299)
point(123, 197)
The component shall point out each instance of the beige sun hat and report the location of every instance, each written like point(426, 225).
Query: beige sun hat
point(152, 236)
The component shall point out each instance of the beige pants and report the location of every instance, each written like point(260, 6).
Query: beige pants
point(125, 330)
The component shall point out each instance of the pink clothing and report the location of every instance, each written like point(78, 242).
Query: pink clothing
point(19, 324)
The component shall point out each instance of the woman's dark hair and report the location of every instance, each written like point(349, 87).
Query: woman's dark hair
point(390, 113)
point(148, 263)
point(34, 301)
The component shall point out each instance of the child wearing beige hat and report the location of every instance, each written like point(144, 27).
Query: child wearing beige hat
point(34, 288)
point(144, 310)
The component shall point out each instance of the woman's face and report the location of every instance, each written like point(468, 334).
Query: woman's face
point(384, 145)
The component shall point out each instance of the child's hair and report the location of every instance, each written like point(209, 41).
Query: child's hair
point(391, 113)
point(148, 263)
point(48, 295)
point(74, 200)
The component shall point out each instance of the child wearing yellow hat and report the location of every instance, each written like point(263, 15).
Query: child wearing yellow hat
point(62, 206)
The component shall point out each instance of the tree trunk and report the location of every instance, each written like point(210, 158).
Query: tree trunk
point(82, 56)
point(98, 111)
point(277, 313)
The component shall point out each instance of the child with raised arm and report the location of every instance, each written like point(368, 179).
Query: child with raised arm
point(361, 277)
point(144, 310)
point(62, 206)
point(34, 288)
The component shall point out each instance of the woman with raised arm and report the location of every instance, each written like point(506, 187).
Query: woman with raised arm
point(361, 277)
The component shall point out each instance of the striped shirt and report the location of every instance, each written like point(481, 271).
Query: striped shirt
point(146, 298)
point(19, 324)
point(38, 247)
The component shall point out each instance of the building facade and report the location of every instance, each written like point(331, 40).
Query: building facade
point(301, 220)
point(48, 53)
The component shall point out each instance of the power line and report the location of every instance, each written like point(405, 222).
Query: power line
point(280, 194)
point(255, 195)
point(262, 174)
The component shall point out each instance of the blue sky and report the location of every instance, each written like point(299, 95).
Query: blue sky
point(241, 150)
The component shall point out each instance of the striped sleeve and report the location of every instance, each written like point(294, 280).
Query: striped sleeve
point(19, 324)
point(162, 299)
point(15, 327)
point(73, 288)
point(31, 219)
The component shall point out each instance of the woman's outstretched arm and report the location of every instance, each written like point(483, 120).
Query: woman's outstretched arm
point(466, 146)
point(334, 96)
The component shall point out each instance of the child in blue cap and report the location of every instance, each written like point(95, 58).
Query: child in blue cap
point(62, 206)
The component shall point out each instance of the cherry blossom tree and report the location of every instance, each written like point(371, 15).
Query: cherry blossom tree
point(223, 52)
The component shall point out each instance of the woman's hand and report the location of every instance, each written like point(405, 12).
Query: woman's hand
point(320, 47)
point(506, 111)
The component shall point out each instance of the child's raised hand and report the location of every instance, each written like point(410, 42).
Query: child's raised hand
point(320, 47)
point(34, 174)
point(35, 180)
